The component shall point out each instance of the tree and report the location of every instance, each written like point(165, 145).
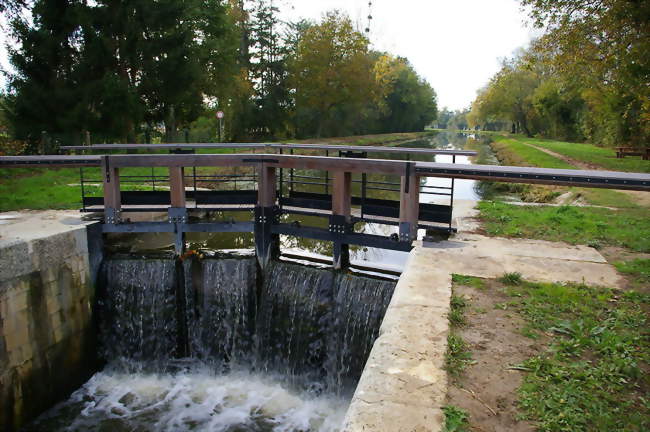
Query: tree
point(109, 67)
point(332, 75)
point(409, 102)
point(269, 71)
point(605, 47)
point(46, 91)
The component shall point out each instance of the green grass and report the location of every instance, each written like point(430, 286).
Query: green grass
point(456, 419)
point(514, 151)
point(457, 311)
point(592, 376)
point(57, 189)
point(638, 270)
point(470, 281)
point(511, 279)
point(575, 225)
point(457, 356)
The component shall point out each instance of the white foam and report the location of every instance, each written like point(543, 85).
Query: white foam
point(202, 401)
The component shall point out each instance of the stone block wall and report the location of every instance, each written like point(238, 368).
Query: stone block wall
point(47, 333)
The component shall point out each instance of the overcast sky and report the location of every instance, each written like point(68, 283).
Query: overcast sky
point(455, 44)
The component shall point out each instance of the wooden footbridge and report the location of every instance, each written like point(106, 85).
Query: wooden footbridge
point(272, 179)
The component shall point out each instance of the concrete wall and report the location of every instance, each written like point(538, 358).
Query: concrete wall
point(404, 384)
point(47, 337)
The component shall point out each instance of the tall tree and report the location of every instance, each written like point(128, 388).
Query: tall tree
point(45, 90)
point(109, 66)
point(409, 102)
point(605, 45)
point(333, 78)
point(269, 71)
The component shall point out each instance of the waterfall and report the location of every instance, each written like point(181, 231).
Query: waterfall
point(138, 310)
point(293, 321)
point(314, 327)
point(215, 345)
point(220, 309)
point(359, 308)
point(317, 326)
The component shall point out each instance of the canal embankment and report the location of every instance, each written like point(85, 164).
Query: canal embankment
point(47, 343)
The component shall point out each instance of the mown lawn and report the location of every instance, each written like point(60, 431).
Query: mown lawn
point(576, 225)
point(514, 151)
point(589, 153)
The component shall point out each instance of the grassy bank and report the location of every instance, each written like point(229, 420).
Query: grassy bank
point(592, 375)
point(522, 151)
point(585, 353)
point(576, 225)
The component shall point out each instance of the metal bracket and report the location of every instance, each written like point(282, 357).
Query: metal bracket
point(177, 215)
point(107, 170)
point(112, 216)
point(339, 224)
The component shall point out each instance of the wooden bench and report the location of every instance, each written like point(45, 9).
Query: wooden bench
point(621, 152)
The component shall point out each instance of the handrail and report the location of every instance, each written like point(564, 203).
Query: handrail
point(565, 177)
point(278, 146)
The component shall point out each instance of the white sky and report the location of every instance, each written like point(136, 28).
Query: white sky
point(455, 44)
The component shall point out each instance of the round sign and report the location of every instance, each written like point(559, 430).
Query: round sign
point(219, 114)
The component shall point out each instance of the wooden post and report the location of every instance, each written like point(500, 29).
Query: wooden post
point(112, 195)
point(267, 244)
point(177, 187)
point(266, 186)
point(341, 217)
point(409, 207)
point(341, 194)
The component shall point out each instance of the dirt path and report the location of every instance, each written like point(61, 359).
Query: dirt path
point(641, 198)
point(487, 389)
point(576, 163)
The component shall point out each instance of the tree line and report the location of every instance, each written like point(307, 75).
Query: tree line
point(586, 79)
point(137, 70)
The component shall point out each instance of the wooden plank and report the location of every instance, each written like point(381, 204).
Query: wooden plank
point(341, 194)
point(409, 203)
point(111, 182)
point(49, 161)
point(177, 187)
point(266, 188)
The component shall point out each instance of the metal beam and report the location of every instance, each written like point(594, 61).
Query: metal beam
point(560, 177)
point(367, 240)
point(273, 146)
point(166, 227)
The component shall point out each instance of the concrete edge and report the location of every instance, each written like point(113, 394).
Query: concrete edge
point(404, 384)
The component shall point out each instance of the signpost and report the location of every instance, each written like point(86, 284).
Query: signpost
point(220, 116)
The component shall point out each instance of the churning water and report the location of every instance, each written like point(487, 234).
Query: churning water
point(211, 345)
point(194, 398)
